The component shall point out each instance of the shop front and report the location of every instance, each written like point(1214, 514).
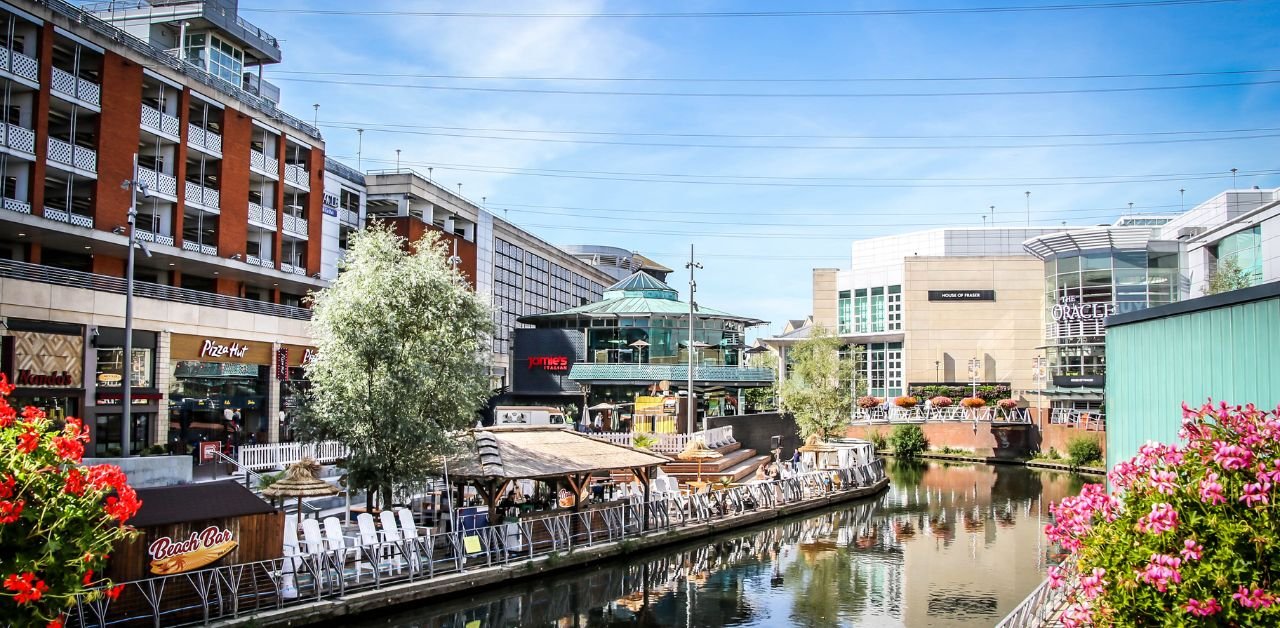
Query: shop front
point(45, 363)
point(219, 390)
point(105, 415)
point(290, 365)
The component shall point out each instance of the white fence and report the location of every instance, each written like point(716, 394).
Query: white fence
point(278, 455)
point(953, 414)
point(675, 443)
point(1079, 418)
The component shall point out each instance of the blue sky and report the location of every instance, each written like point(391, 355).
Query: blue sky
point(808, 196)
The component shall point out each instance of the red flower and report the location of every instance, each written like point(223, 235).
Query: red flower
point(114, 592)
point(6, 486)
point(124, 504)
point(25, 588)
point(10, 511)
point(5, 387)
point(88, 577)
point(7, 414)
point(75, 483)
point(31, 413)
point(28, 441)
point(56, 623)
point(106, 476)
point(69, 448)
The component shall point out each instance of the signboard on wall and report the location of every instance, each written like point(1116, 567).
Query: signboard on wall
point(962, 295)
point(44, 360)
point(541, 360)
point(1071, 309)
point(170, 556)
point(212, 349)
point(1080, 381)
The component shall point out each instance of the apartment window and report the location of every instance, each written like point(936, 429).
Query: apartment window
point(349, 200)
point(895, 308)
point(194, 49)
point(225, 61)
point(844, 313)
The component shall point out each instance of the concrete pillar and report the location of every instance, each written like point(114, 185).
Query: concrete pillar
point(272, 415)
point(164, 378)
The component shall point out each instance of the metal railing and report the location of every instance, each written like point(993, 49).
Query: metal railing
point(163, 57)
point(295, 226)
point(207, 198)
point(158, 238)
point(952, 414)
point(332, 573)
point(203, 138)
point(199, 247)
point(19, 138)
point(19, 64)
point(297, 175)
point(1038, 608)
point(1087, 419)
point(265, 163)
point(72, 86)
point(280, 455)
point(674, 443)
point(15, 205)
point(158, 181)
point(159, 121)
point(104, 283)
point(265, 216)
point(71, 218)
point(73, 155)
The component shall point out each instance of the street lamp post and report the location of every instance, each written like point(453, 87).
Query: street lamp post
point(1038, 375)
point(126, 380)
point(973, 374)
point(693, 288)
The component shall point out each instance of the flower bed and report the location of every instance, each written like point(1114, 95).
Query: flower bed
point(906, 402)
point(942, 402)
point(867, 403)
point(973, 402)
point(1189, 538)
point(1007, 404)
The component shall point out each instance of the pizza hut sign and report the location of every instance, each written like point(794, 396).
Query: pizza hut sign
point(170, 556)
point(214, 349)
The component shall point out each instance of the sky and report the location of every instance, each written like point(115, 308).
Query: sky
point(810, 131)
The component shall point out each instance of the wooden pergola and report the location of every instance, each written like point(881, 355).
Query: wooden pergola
point(504, 454)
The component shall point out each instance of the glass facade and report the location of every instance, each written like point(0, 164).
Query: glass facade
point(611, 340)
point(1082, 289)
point(881, 365)
point(525, 283)
point(844, 313)
point(206, 397)
point(1245, 247)
point(873, 310)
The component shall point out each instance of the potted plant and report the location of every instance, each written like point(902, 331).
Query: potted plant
point(906, 403)
point(973, 403)
point(869, 402)
point(942, 402)
point(1007, 404)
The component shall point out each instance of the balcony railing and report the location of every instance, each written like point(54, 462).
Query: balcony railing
point(672, 372)
point(197, 247)
point(72, 218)
point(295, 226)
point(158, 238)
point(72, 86)
point(349, 217)
point(160, 122)
point(207, 198)
point(254, 260)
point(75, 156)
point(158, 182)
point(297, 175)
point(18, 64)
point(265, 163)
point(18, 138)
point(103, 283)
point(291, 268)
point(204, 139)
point(265, 216)
point(15, 205)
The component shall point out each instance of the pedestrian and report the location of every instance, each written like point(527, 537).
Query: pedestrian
point(597, 425)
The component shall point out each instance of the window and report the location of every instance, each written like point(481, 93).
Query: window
point(861, 317)
point(225, 61)
point(877, 309)
point(844, 313)
point(895, 308)
point(349, 200)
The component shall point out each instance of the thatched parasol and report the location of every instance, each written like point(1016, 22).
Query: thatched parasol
point(698, 450)
point(816, 445)
point(300, 480)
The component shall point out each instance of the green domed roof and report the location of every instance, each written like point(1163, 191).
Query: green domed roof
point(643, 285)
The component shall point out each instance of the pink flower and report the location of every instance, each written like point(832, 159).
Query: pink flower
point(1161, 519)
point(1055, 578)
point(1164, 481)
point(1191, 550)
point(1231, 457)
point(1076, 616)
point(1211, 490)
point(1161, 571)
point(1255, 493)
point(1203, 609)
point(1093, 585)
point(1256, 598)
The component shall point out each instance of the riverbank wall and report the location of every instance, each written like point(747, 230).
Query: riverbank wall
point(1035, 464)
point(989, 440)
point(329, 611)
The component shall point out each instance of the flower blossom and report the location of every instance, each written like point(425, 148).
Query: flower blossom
point(1255, 598)
point(1255, 493)
point(1211, 490)
point(1203, 609)
point(28, 441)
point(1055, 578)
point(1093, 585)
point(1164, 481)
point(1231, 457)
point(1191, 550)
point(26, 587)
point(10, 510)
point(1076, 616)
point(1161, 519)
point(1161, 571)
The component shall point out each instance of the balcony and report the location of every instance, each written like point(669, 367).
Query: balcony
point(158, 238)
point(296, 227)
point(161, 123)
point(18, 138)
point(254, 260)
point(671, 372)
point(349, 217)
point(72, 156)
point(207, 141)
point(297, 176)
point(19, 65)
point(15, 205)
point(207, 198)
point(265, 164)
point(296, 270)
point(71, 86)
point(264, 216)
point(196, 247)
point(159, 182)
point(71, 218)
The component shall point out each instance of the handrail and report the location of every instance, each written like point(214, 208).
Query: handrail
point(253, 480)
point(918, 414)
point(107, 283)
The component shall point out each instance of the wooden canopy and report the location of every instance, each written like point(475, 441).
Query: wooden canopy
point(520, 452)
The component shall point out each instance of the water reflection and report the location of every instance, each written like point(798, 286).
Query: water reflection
point(946, 545)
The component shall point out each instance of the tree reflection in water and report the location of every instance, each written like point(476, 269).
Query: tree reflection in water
point(947, 544)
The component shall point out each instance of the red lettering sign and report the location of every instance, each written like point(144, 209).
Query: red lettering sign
point(27, 378)
point(170, 555)
point(549, 363)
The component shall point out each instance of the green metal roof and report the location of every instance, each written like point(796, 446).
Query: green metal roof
point(638, 295)
point(641, 284)
point(649, 373)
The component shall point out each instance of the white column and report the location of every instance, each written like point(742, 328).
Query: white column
point(164, 376)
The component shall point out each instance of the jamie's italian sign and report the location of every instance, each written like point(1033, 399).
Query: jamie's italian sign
point(170, 556)
point(549, 363)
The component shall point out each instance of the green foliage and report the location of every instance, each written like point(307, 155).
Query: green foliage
point(267, 479)
point(1228, 276)
point(1053, 454)
point(58, 518)
point(644, 441)
point(1082, 450)
point(762, 399)
point(878, 440)
point(400, 367)
point(908, 440)
point(155, 450)
point(817, 390)
point(953, 450)
point(987, 392)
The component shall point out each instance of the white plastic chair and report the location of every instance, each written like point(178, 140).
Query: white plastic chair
point(289, 567)
point(409, 530)
point(313, 545)
point(335, 541)
point(391, 537)
point(372, 547)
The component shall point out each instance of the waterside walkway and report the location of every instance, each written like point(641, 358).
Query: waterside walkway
point(322, 586)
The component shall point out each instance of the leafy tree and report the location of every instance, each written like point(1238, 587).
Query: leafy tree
point(762, 399)
point(819, 391)
point(400, 366)
point(1228, 276)
point(908, 440)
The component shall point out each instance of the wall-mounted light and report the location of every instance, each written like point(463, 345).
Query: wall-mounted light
point(236, 257)
point(118, 230)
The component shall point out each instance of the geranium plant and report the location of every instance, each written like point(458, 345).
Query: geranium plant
point(867, 403)
point(58, 518)
point(973, 402)
point(942, 402)
point(1189, 537)
point(1007, 404)
point(905, 402)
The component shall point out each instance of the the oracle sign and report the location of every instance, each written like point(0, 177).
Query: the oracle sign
point(1070, 311)
point(549, 363)
point(214, 349)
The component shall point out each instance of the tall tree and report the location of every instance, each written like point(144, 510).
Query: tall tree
point(762, 399)
point(819, 389)
point(400, 367)
point(1228, 276)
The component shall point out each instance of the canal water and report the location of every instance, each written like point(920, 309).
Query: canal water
point(947, 545)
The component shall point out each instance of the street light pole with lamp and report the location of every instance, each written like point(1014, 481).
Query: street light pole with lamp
point(1039, 376)
point(126, 397)
point(973, 374)
point(693, 288)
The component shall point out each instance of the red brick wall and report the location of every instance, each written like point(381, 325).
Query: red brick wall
point(105, 265)
point(984, 439)
point(41, 119)
point(315, 211)
point(118, 135)
point(233, 228)
point(411, 228)
point(1060, 436)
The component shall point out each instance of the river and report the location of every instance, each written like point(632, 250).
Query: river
point(947, 545)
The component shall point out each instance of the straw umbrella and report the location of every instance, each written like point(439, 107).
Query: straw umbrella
point(301, 480)
point(817, 447)
point(698, 450)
